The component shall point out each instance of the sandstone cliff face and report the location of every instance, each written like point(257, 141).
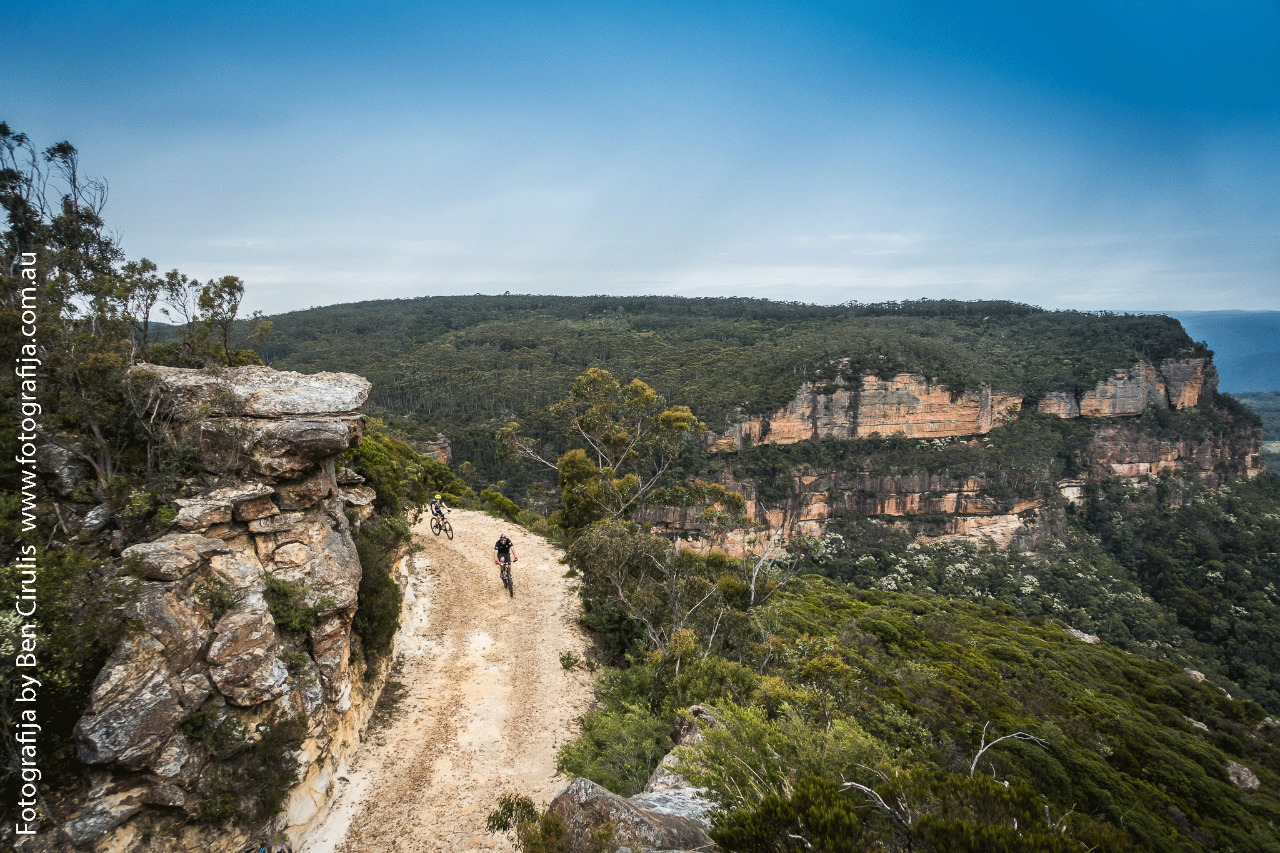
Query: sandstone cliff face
point(1176, 384)
point(962, 509)
point(908, 403)
point(1119, 451)
point(911, 405)
point(208, 651)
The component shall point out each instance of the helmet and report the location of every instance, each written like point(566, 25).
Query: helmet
point(437, 497)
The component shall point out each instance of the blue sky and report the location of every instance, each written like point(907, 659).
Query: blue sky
point(1089, 155)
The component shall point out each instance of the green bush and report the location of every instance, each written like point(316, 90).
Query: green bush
point(816, 818)
point(531, 830)
point(287, 603)
point(617, 749)
point(403, 479)
point(379, 598)
point(500, 505)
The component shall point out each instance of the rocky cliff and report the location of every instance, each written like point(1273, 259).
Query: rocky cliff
point(907, 403)
point(970, 508)
point(240, 668)
point(912, 405)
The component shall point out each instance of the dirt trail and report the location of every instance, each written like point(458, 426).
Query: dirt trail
point(486, 702)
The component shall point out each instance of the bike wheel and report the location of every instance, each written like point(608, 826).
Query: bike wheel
point(435, 527)
point(447, 528)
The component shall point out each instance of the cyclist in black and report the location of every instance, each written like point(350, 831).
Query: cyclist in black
point(502, 551)
point(438, 508)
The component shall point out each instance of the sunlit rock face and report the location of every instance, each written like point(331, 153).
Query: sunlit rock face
point(910, 405)
point(1175, 384)
point(907, 404)
point(211, 652)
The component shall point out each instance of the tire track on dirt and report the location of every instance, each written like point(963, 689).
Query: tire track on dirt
point(487, 702)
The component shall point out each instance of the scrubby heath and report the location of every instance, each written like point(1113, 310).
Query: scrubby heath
point(825, 684)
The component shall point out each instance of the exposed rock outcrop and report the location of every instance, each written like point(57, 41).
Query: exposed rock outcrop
point(255, 392)
point(907, 403)
point(669, 814)
point(1177, 384)
point(1242, 777)
point(585, 808)
point(209, 653)
point(439, 450)
point(912, 405)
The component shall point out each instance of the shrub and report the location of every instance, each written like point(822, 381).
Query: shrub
point(530, 830)
point(499, 504)
point(286, 601)
point(617, 749)
point(816, 818)
point(379, 597)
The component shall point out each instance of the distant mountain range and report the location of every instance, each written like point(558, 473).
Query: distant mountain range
point(1246, 346)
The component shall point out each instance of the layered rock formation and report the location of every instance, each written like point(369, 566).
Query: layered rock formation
point(910, 404)
point(210, 670)
point(963, 509)
point(1177, 384)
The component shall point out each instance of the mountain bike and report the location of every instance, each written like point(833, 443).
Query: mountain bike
point(505, 572)
point(438, 524)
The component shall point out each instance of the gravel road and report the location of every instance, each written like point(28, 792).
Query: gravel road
point(484, 703)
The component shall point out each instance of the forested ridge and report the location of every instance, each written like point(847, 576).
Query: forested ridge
point(461, 365)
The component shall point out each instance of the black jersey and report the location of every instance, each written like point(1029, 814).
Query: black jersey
point(504, 546)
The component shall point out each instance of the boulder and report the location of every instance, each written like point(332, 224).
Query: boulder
point(273, 448)
point(201, 513)
point(134, 706)
point(61, 456)
point(685, 803)
point(172, 621)
point(1243, 778)
point(1077, 634)
point(175, 556)
point(104, 813)
point(585, 808)
point(97, 519)
point(255, 391)
point(246, 667)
